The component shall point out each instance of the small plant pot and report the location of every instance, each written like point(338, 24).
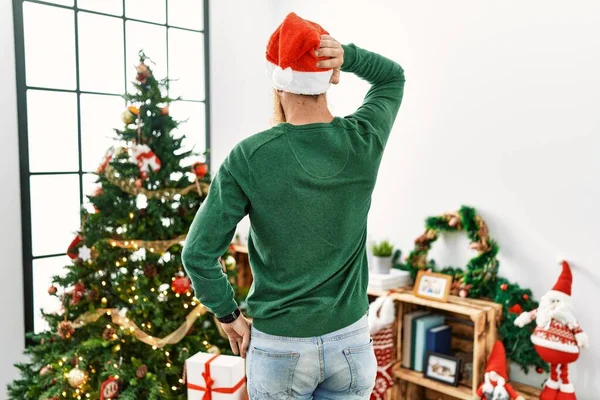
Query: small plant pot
point(382, 265)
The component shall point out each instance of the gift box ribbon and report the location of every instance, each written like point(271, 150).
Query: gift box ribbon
point(209, 389)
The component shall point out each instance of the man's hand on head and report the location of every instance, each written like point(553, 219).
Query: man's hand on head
point(333, 49)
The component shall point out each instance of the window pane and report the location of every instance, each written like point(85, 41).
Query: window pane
point(146, 10)
point(54, 212)
point(153, 40)
point(99, 116)
point(194, 128)
point(186, 13)
point(101, 56)
point(52, 129)
point(114, 7)
point(186, 64)
point(62, 2)
point(43, 271)
point(49, 46)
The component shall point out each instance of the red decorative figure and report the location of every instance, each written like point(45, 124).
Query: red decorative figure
point(496, 386)
point(557, 336)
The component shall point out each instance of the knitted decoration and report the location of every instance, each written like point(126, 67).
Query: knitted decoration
point(557, 337)
point(381, 317)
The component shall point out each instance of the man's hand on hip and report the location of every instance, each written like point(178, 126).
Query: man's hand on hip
point(239, 335)
point(333, 49)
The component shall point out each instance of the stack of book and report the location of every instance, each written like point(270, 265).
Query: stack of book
point(424, 332)
point(396, 278)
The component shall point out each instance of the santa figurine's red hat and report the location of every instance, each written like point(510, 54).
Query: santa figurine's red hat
point(497, 361)
point(562, 288)
point(291, 59)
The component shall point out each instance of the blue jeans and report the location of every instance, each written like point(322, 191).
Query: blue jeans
point(338, 365)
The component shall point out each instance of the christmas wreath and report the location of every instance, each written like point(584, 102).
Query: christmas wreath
point(479, 278)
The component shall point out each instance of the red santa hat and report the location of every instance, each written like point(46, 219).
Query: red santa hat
point(291, 59)
point(562, 288)
point(497, 361)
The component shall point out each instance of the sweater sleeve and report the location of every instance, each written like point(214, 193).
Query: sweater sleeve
point(382, 102)
point(210, 235)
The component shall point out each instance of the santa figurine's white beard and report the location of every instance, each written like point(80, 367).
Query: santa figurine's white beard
point(561, 312)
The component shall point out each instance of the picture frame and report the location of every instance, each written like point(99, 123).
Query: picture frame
point(433, 286)
point(442, 368)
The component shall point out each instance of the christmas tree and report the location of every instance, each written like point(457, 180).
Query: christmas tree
point(128, 319)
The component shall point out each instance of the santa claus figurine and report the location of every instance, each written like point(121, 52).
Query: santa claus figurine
point(557, 337)
point(496, 386)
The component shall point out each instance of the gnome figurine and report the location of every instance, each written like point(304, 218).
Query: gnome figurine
point(557, 337)
point(496, 386)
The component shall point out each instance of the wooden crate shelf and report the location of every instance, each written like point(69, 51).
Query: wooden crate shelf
point(408, 375)
point(485, 317)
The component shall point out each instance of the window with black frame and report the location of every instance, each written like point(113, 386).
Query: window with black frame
point(75, 59)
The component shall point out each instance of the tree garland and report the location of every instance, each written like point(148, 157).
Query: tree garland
point(479, 279)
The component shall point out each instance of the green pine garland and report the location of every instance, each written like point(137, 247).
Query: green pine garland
point(479, 279)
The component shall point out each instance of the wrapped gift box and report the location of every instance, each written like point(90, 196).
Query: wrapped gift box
point(224, 377)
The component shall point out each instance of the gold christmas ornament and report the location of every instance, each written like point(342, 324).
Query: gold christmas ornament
point(214, 350)
point(77, 377)
point(127, 117)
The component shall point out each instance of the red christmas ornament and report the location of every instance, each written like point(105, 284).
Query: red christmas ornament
point(72, 249)
point(539, 370)
point(144, 175)
point(79, 287)
point(77, 294)
point(109, 389)
point(181, 285)
point(164, 110)
point(504, 286)
point(52, 290)
point(525, 297)
point(200, 169)
point(515, 309)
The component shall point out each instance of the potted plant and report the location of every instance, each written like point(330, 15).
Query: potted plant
point(382, 257)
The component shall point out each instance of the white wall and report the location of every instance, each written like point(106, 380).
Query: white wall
point(241, 100)
point(500, 112)
point(11, 294)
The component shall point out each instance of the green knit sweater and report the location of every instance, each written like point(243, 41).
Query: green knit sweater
point(307, 190)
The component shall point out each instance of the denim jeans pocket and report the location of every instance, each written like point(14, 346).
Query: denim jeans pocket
point(271, 373)
point(363, 368)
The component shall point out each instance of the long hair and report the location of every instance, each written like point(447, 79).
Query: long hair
point(278, 113)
